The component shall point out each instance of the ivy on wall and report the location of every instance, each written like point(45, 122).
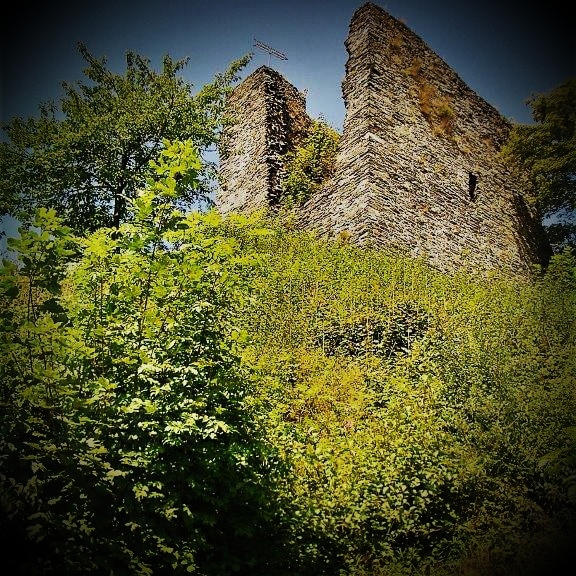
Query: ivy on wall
point(311, 164)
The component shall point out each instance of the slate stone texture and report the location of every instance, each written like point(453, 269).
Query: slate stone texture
point(270, 119)
point(418, 167)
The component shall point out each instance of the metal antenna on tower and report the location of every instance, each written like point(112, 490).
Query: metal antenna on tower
point(271, 51)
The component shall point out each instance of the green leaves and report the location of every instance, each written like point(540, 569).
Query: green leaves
point(190, 393)
point(412, 407)
point(561, 463)
point(373, 335)
point(124, 398)
point(308, 168)
point(545, 154)
point(87, 156)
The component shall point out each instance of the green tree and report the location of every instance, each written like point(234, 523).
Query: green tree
point(90, 153)
point(128, 444)
point(545, 152)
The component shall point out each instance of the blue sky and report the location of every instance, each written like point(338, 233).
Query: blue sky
point(504, 53)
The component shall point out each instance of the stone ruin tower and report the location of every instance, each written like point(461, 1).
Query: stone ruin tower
point(418, 167)
point(270, 120)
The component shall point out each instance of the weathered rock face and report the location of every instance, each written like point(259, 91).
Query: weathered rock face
point(271, 120)
point(418, 165)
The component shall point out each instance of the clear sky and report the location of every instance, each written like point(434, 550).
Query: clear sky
point(505, 53)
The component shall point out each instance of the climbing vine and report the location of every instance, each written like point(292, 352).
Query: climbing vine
point(311, 164)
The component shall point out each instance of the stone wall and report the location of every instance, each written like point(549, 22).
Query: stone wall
point(270, 120)
point(418, 166)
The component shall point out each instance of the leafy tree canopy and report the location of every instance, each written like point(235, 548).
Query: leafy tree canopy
point(86, 156)
point(128, 444)
point(546, 153)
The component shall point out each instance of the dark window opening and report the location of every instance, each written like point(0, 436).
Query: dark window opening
point(472, 181)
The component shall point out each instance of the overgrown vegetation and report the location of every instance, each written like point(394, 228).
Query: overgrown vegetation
point(414, 409)
point(128, 443)
point(192, 394)
point(436, 108)
point(182, 393)
point(310, 165)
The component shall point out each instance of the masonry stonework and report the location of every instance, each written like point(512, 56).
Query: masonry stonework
point(418, 167)
point(270, 120)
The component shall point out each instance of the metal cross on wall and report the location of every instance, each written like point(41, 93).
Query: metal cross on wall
point(271, 51)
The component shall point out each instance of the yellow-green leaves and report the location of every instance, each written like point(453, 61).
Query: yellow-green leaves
point(412, 406)
point(123, 413)
point(311, 164)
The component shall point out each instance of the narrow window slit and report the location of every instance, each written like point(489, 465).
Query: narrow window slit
point(472, 181)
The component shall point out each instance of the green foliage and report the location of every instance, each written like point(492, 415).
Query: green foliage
point(562, 461)
point(90, 154)
point(128, 444)
point(358, 337)
point(546, 155)
point(197, 394)
point(311, 164)
point(413, 409)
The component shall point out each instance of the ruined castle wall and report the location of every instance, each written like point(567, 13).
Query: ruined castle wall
point(415, 138)
point(418, 166)
point(269, 120)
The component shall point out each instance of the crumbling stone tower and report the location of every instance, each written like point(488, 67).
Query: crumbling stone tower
point(270, 120)
point(418, 167)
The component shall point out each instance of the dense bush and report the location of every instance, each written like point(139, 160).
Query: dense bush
point(415, 407)
point(194, 394)
point(311, 164)
point(128, 445)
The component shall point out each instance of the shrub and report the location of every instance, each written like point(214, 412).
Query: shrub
point(128, 444)
point(310, 165)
